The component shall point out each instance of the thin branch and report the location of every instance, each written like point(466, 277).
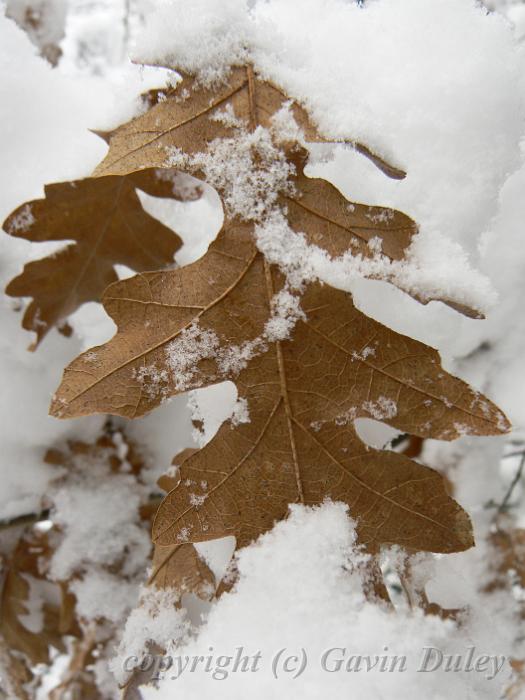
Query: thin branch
point(27, 519)
point(517, 477)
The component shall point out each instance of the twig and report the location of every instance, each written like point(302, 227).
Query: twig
point(27, 519)
point(517, 477)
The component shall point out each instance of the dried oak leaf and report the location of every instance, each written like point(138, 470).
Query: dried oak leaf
point(188, 328)
point(223, 318)
point(105, 219)
point(507, 562)
point(180, 567)
point(192, 117)
point(15, 674)
point(14, 605)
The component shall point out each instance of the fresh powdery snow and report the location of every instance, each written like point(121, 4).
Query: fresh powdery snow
point(437, 88)
point(416, 80)
point(45, 118)
point(299, 594)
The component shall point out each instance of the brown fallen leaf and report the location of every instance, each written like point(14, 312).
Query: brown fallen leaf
point(507, 562)
point(305, 361)
point(180, 567)
point(15, 674)
point(303, 395)
point(191, 116)
point(105, 219)
point(14, 604)
point(300, 444)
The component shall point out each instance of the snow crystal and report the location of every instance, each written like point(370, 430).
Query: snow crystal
point(184, 534)
point(99, 512)
point(345, 417)
point(249, 171)
point(197, 499)
point(191, 346)
point(102, 594)
point(155, 620)
point(284, 247)
point(383, 216)
point(286, 311)
point(153, 380)
point(23, 221)
point(241, 413)
point(462, 429)
point(381, 409)
point(232, 359)
point(368, 351)
point(227, 116)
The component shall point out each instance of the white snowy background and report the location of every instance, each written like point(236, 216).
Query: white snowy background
point(438, 88)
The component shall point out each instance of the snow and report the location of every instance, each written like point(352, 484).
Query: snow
point(241, 413)
point(104, 595)
point(383, 408)
point(308, 572)
point(99, 512)
point(216, 30)
point(48, 144)
point(156, 620)
point(436, 87)
point(286, 311)
point(183, 354)
point(428, 95)
point(248, 170)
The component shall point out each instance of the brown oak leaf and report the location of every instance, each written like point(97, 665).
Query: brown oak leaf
point(198, 325)
point(105, 219)
point(14, 601)
point(306, 362)
point(300, 444)
point(179, 566)
point(191, 117)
